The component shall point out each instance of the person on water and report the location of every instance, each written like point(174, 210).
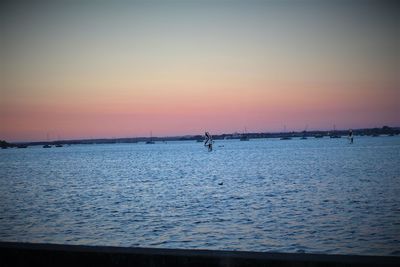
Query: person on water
point(351, 136)
point(208, 142)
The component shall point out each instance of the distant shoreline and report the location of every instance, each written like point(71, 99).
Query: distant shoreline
point(385, 130)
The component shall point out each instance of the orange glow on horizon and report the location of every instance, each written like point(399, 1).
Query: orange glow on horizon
point(177, 112)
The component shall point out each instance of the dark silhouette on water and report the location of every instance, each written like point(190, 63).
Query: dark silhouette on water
point(334, 133)
point(244, 136)
point(208, 142)
point(47, 145)
point(351, 136)
point(304, 133)
point(151, 139)
point(286, 135)
point(22, 146)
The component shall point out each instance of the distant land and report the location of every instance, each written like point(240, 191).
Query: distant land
point(385, 130)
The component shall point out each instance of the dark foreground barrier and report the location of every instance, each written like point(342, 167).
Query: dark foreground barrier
point(26, 254)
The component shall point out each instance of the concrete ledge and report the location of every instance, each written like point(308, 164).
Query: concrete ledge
point(28, 254)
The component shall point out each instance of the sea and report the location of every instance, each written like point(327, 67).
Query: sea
point(268, 195)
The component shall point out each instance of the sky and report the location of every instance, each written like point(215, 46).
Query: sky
point(109, 69)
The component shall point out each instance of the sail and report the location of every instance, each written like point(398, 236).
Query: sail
point(208, 139)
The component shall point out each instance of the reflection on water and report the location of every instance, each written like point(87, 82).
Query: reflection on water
point(315, 195)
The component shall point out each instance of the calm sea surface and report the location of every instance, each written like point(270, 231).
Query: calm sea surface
point(313, 196)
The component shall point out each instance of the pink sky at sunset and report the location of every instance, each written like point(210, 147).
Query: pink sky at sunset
point(123, 70)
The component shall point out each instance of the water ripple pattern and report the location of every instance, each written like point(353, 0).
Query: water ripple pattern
point(314, 196)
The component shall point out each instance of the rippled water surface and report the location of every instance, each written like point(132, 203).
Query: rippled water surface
point(315, 195)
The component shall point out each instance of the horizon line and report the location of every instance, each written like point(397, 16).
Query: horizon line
point(191, 135)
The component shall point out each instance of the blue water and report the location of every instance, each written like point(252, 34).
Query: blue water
point(313, 196)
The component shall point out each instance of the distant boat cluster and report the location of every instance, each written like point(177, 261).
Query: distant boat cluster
point(49, 146)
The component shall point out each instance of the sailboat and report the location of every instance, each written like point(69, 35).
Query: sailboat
point(151, 139)
point(304, 133)
point(58, 143)
point(334, 134)
point(47, 145)
point(286, 136)
point(244, 136)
